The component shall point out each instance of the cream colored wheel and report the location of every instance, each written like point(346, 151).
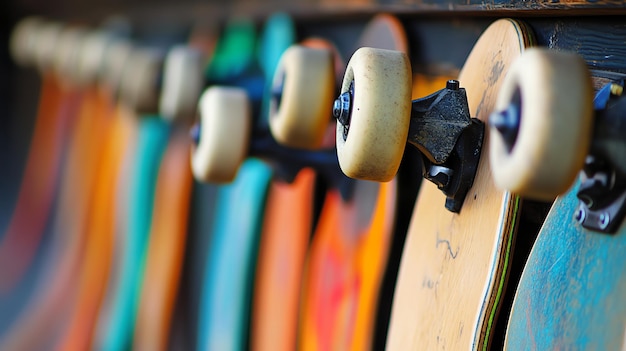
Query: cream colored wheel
point(552, 94)
point(300, 115)
point(139, 83)
point(372, 146)
point(24, 40)
point(66, 59)
point(182, 83)
point(46, 42)
point(225, 126)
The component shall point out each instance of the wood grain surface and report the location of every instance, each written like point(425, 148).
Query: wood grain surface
point(454, 266)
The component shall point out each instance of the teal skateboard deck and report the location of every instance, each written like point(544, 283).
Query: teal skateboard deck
point(116, 328)
point(572, 292)
point(229, 273)
point(153, 134)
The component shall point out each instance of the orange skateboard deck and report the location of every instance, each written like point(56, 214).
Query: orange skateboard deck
point(98, 261)
point(454, 265)
point(285, 236)
point(69, 226)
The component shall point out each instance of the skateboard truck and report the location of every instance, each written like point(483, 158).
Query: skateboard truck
point(602, 191)
point(449, 140)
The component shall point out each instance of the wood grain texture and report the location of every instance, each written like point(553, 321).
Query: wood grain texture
point(572, 294)
point(454, 265)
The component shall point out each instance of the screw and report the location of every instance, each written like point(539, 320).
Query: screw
point(452, 84)
point(603, 220)
point(580, 215)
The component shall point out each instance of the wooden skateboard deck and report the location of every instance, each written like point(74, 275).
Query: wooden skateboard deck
point(454, 266)
point(229, 274)
point(349, 250)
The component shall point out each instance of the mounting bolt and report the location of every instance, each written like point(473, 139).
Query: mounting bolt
point(440, 176)
point(452, 84)
point(507, 122)
point(580, 215)
point(604, 220)
point(194, 132)
point(341, 108)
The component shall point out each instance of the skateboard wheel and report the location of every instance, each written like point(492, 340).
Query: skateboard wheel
point(300, 114)
point(551, 92)
point(224, 134)
point(140, 80)
point(66, 59)
point(45, 45)
point(117, 56)
point(92, 54)
point(24, 39)
point(380, 113)
point(182, 83)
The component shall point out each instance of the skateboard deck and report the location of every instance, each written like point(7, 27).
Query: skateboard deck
point(167, 243)
point(454, 265)
point(229, 274)
point(168, 235)
point(97, 264)
point(152, 136)
point(570, 295)
point(572, 289)
point(349, 251)
point(287, 226)
point(98, 261)
point(69, 225)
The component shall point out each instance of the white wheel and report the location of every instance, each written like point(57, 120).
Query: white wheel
point(139, 84)
point(225, 126)
point(182, 83)
point(24, 40)
point(46, 44)
point(379, 117)
point(117, 57)
point(299, 117)
point(92, 54)
point(66, 58)
point(554, 96)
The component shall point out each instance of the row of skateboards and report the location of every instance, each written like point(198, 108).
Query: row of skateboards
point(306, 228)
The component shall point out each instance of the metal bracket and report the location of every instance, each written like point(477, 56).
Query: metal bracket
point(449, 140)
point(602, 192)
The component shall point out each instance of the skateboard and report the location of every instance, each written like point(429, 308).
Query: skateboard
point(34, 205)
point(349, 251)
point(455, 261)
point(572, 291)
point(96, 265)
point(74, 194)
point(181, 88)
point(229, 273)
point(139, 91)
